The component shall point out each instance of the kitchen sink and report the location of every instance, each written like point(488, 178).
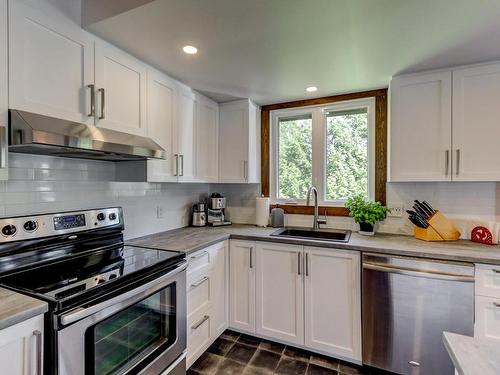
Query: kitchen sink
point(330, 235)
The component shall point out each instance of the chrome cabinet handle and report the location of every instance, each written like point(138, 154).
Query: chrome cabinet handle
point(103, 103)
point(181, 158)
point(3, 147)
point(447, 167)
point(251, 256)
point(245, 170)
point(496, 304)
point(202, 320)
point(199, 282)
point(458, 162)
point(414, 363)
point(200, 255)
point(38, 344)
point(307, 264)
point(92, 100)
point(495, 270)
point(176, 156)
point(298, 264)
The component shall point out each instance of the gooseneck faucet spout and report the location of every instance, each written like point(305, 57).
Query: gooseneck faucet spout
point(316, 220)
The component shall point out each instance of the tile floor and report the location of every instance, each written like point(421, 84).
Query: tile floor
point(233, 354)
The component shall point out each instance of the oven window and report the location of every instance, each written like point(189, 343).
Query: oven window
point(128, 337)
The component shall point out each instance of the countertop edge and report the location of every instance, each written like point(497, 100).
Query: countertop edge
point(22, 316)
point(452, 354)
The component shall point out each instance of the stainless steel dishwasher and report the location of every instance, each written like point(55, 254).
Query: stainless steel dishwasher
point(407, 304)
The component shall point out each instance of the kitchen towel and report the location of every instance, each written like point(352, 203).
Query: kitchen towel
point(262, 211)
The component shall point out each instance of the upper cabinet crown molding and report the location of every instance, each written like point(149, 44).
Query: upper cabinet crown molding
point(443, 125)
point(239, 150)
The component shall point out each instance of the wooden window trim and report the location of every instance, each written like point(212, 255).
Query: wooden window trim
point(380, 96)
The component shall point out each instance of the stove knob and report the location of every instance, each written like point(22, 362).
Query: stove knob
point(101, 216)
point(9, 230)
point(112, 216)
point(30, 226)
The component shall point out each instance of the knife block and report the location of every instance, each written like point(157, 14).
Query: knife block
point(439, 229)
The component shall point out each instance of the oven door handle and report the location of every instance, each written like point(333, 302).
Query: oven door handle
point(146, 289)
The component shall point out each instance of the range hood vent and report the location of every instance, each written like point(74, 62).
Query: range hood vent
point(31, 133)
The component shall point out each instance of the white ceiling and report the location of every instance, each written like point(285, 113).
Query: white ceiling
point(270, 50)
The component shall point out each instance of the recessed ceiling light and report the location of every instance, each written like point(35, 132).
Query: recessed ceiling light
point(191, 50)
point(311, 89)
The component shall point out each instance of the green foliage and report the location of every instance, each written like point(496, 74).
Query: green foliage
point(295, 158)
point(364, 211)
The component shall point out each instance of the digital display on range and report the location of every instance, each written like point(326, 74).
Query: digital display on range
point(69, 221)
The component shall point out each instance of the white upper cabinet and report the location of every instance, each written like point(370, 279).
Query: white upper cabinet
point(184, 153)
point(239, 149)
point(162, 104)
point(4, 98)
point(206, 139)
point(51, 64)
point(120, 82)
point(333, 302)
point(420, 132)
point(280, 292)
point(476, 128)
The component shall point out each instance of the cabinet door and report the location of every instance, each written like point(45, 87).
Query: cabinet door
point(121, 90)
point(207, 136)
point(253, 165)
point(218, 290)
point(333, 302)
point(51, 64)
point(242, 285)
point(162, 96)
point(280, 292)
point(4, 99)
point(233, 151)
point(21, 347)
point(185, 134)
point(476, 113)
point(420, 131)
point(487, 319)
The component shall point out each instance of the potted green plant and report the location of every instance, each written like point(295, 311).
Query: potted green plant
point(366, 213)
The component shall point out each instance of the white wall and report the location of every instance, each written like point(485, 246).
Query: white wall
point(42, 184)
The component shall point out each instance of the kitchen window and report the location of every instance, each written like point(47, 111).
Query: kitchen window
point(330, 146)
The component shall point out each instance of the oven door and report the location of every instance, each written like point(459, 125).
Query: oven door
point(141, 331)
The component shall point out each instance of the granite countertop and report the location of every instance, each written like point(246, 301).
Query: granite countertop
point(191, 239)
point(473, 356)
point(16, 308)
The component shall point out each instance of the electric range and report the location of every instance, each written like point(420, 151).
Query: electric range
point(113, 308)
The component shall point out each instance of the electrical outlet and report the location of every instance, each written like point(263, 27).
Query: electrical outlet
point(159, 212)
point(396, 210)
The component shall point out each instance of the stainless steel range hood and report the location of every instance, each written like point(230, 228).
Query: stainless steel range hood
point(31, 133)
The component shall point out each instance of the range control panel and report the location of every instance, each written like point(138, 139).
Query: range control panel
point(29, 227)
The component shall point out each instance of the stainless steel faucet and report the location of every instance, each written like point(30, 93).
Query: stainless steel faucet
point(317, 221)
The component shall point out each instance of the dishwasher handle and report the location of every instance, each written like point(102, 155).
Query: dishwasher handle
point(418, 272)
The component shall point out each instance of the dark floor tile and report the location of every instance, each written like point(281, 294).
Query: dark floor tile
point(250, 370)
point(324, 361)
point(297, 353)
point(207, 363)
point(346, 368)
point(272, 346)
point(290, 366)
point(220, 346)
point(318, 370)
point(249, 340)
point(229, 367)
point(241, 353)
point(230, 335)
point(266, 360)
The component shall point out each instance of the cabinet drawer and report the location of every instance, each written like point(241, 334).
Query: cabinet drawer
point(198, 335)
point(487, 318)
point(487, 280)
point(198, 261)
point(198, 294)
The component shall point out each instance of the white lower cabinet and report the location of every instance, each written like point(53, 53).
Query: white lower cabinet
point(280, 292)
point(487, 302)
point(305, 296)
point(207, 298)
point(21, 347)
point(333, 301)
point(242, 285)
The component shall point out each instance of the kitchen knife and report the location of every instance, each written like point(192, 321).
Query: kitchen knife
point(418, 222)
point(429, 207)
point(424, 209)
point(420, 212)
point(416, 214)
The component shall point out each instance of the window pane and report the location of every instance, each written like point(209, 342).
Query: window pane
point(294, 157)
point(346, 153)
